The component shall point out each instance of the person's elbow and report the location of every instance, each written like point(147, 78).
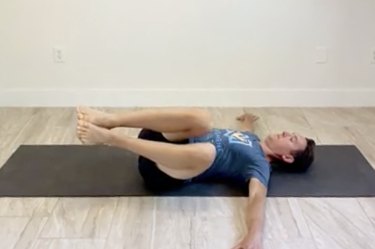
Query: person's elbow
point(257, 190)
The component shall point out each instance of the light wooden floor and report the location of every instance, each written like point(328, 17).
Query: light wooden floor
point(198, 223)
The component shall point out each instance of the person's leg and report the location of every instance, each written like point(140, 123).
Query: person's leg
point(156, 179)
point(181, 161)
point(174, 123)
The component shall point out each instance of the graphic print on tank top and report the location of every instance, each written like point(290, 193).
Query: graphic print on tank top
point(236, 137)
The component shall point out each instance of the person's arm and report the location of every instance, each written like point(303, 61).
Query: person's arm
point(254, 216)
point(246, 122)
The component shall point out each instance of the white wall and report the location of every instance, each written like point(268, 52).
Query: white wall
point(187, 52)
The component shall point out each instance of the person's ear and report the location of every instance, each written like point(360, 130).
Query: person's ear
point(288, 158)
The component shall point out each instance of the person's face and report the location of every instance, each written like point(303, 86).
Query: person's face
point(285, 144)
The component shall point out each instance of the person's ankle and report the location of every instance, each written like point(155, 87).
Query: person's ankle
point(112, 139)
point(116, 140)
point(113, 122)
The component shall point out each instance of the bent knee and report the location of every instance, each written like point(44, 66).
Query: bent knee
point(203, 122)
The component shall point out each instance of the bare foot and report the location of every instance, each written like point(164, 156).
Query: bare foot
point(95, 117)
point(91, 134)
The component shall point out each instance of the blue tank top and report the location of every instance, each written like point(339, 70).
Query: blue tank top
point(239, 157)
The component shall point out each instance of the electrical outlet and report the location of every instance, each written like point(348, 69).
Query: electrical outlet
point(373, 55)
point(320, 55)
point(58, 55)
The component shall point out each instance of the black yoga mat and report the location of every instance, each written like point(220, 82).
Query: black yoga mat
point(77, 170)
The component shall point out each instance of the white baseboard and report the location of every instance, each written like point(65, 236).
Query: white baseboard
point(189, 97)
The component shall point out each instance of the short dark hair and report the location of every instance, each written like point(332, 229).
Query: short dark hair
point(302, 160)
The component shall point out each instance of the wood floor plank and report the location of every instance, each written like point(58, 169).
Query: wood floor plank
point(10, 230)
point(28, 207)
point(338, 223)
point(68, 244)
point(80, 218)
point(368, 205)
point(133, 223)
point(31, 232)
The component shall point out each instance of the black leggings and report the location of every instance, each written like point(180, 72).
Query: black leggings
point(154, 178)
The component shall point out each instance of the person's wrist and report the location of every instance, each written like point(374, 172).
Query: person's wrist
point(253, 234)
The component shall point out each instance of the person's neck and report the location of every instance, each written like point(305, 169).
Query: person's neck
point(267, 151)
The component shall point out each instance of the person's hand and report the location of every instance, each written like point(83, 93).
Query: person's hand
point(249, 243)
point(247, 118)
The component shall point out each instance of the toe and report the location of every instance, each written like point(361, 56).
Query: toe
point(82, 124)
point(83, 109)
point(82, 116)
